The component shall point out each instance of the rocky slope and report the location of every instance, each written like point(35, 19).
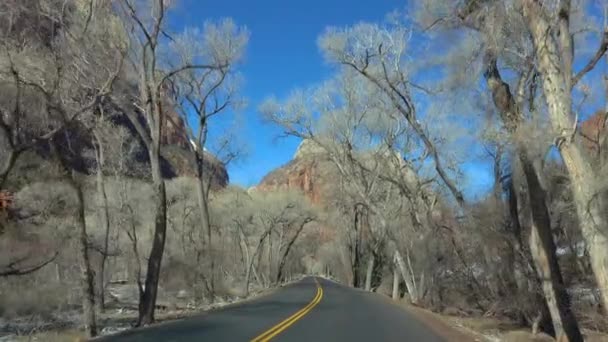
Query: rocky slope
point(593, 133)
point(310, 171)
point(177, 159)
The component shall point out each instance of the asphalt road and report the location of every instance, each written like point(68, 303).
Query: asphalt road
point(313, 309)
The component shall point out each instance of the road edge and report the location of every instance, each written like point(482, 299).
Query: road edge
point(259, 295)
point(431, 320)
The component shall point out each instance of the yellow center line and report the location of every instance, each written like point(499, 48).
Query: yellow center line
point(286, 323)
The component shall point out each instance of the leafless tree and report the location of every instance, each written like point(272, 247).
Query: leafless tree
point(508, 37)
point(146, 22)
point(340, 133)
point(379, 55)
point(554, 48)
point(58, 74)
point(205, 93)
point(367, 144)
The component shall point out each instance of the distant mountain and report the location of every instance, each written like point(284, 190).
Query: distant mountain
point(310, 171)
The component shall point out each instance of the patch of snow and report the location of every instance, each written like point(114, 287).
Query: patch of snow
point(579, 248)
point(328, 278)
point(114, 329)
point(193, 143)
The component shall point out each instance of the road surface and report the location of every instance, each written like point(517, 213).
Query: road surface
point(313, 309)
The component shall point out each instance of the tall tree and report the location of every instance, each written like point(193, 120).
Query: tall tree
point(353, 122)
point(554, 48)
point(380, 56)
point(67, 71)
point(204, 94)
point(508, 37)
point(156, 70)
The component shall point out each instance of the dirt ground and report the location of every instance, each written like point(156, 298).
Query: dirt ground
point(485, 329)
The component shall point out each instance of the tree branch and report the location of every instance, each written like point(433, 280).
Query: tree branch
point(189, 67)
point(593, 62)
point(12, 270)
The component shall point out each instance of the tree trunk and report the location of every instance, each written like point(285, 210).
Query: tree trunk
point(408, 278)
point(543, 248)
point(87, 278)
point(559, 103)
point(8, 165)
point(88, 285)
point(148, 299)
point(203, 207)
point(356, 269)
point(590, 215)
point(524, 271)
point(395, 284)
point(605, 74)
point(247, 255)
point(255, 255)
point(58, 277)
point(541, 242)
point(104, 220)
point(254, 271)
point(132, 234)
point(288, 248)
point(358, 248)
point(369, 273)
point(86, 274)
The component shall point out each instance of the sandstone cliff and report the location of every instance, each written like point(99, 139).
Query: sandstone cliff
point(593, 132)
point(310, 171)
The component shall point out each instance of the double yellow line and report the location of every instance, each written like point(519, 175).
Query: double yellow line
point(279, 328)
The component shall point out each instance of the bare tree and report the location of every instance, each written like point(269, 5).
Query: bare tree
point(513, 107)
point(288, 247)
point(108, 140)
point(554, 51)
point(340, 133)
point(379, 55)
point(68, 80)
point(362, 137)
point(206, 93)
point(147, 21)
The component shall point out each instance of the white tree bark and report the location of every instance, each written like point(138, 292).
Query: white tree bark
point(202, 194)
point(559, 104)
point(104, 222)
point(368, 274)
point(408, 278)
point(395, 284)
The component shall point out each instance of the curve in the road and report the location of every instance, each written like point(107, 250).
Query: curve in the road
point(286, 323)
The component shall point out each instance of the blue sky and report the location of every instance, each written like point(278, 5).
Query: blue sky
point(282, 55)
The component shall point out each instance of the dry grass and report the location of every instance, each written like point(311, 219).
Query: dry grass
point(54, 336)
point(114, 319)
point(493, 329)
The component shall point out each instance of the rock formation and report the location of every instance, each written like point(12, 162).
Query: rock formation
point(310, 171)
point(593, 132)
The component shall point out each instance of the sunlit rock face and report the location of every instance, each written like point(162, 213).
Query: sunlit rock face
point(310, 171)
point(593, 133)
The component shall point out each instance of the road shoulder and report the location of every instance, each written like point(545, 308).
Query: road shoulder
point(436, 323)
point(480, 329)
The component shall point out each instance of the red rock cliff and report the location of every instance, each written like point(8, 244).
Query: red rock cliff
point(310, 172)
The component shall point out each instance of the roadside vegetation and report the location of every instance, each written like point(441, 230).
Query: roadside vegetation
point(116, 204)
